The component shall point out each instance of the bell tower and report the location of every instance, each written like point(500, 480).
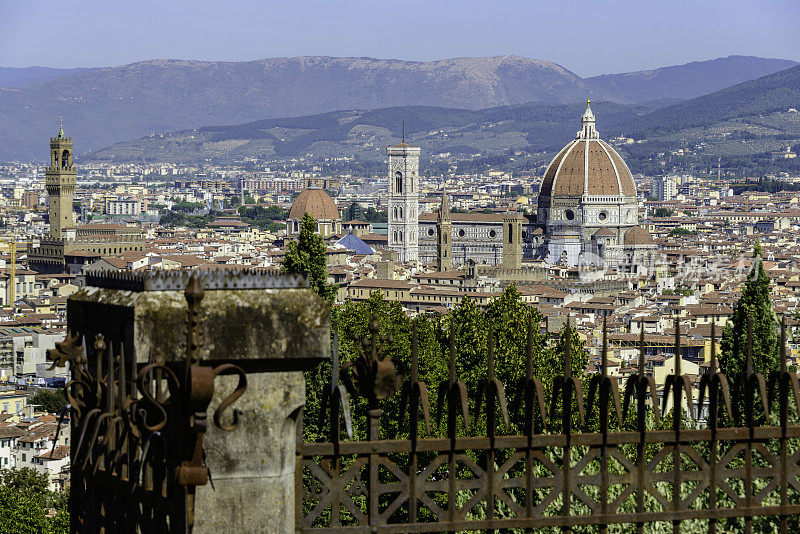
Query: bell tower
point(404, 200)
point(512, 240)
point(444, 245)
point(60, 183)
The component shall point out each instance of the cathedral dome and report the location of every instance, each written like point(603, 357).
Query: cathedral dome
point(638, 236)
point(587, 166)
point(317, 203)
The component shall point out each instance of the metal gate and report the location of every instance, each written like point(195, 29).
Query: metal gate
point(137, 430)
point(563, 478)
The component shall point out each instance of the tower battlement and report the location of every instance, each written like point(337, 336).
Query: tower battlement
point(60, 183)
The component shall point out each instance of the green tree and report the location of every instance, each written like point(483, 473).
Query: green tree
point(756, 304)
point(306, 256)
point(680, 232)
point(355, 212)
point(232, 202)
point(372, 215)
point(50, 401)
point(509, 319)
point(27, 506)
point(663, 212)
point(352, 320)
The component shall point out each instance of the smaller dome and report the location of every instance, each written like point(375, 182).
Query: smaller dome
point(317, 203)
point(637, 235)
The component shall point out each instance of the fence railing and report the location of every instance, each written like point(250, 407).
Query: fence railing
point(136, 431)
point(655, 465)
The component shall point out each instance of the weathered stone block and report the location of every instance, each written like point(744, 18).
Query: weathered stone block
point(273, 335)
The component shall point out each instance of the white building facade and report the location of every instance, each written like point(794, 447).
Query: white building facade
point(664, 188)
point(404, 201)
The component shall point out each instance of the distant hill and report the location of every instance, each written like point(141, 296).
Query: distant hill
point(365, 134)
point(25, 76)
point(770, 94)
point(686, 81)
point(754, 117)
point(105, 106)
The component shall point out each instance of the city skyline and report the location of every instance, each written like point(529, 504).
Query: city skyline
point(632, 35)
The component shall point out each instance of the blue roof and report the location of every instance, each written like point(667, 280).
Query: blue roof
point(355, 244)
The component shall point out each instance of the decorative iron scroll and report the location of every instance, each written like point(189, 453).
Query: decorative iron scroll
point(567, 478)
point(137, 433)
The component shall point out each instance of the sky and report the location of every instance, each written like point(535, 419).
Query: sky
point(586, 37)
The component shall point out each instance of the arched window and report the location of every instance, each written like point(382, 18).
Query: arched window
point(510, 233)
point(55, 158)
point(400, 211)
point(65, 159)
point(398, 182)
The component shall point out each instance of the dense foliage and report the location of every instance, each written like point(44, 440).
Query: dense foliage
point(663, 212)
point(506, 319)
point(355, 212)
point(27, 506)
point(179, 218)
point(306, 256)
point(52, 401)
point(372, 215)
point(264, 217)
point(755, 303)
point(680, 232)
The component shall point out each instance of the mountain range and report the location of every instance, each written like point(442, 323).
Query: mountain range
point(103, 106)
point(748, 118)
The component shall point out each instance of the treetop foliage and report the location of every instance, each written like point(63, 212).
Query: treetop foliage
point(306, 256)
point(27, 506)
point(50, 401)
point(507, 319)
point(755, 303)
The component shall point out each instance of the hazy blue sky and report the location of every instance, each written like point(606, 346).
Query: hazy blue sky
point(587, 37)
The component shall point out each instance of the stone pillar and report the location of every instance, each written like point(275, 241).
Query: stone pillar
point(272, 328)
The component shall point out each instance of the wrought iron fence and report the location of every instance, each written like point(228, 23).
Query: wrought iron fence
point(137, 430)
point(739, 464)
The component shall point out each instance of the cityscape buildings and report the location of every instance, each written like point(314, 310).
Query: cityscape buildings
point(583, 239)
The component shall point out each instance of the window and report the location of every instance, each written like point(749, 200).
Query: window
point(569, 214)
point(602, 215)
point(398, 182)
point(492, 234)
point(23, 456)
point(430, 232)
point(461, 233)
point(510, 233)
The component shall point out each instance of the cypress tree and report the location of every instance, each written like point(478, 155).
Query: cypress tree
point(307, 256)
point(754, 302)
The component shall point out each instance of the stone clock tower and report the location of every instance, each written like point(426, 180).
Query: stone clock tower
point(60, 183)
point(404, 201)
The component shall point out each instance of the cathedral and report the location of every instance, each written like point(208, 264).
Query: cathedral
point(587, 214)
